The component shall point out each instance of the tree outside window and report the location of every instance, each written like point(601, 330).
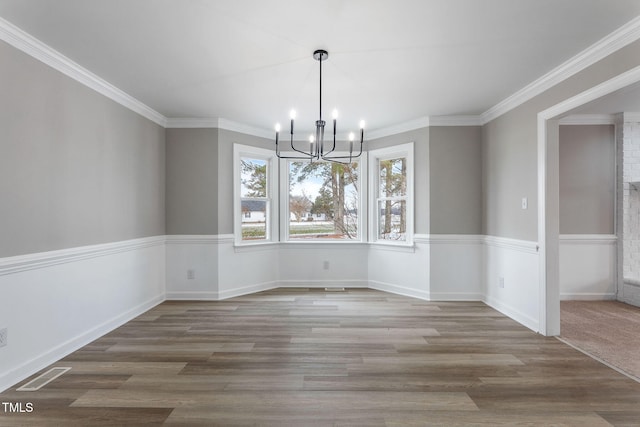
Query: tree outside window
point(392, 200)
point(323, 201)
point(391, 195)
point(254, 198)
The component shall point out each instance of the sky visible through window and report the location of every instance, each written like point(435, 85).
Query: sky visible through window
point(323, 200)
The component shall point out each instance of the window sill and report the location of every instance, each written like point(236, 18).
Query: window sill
point(396, 247)
point(319, 244)
point(323, 243)
point(254, 247)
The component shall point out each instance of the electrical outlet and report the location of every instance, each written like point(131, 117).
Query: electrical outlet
point(501, 282)
point(3, 337)
point(191, 274)
point(525, 203)
point(325, 265)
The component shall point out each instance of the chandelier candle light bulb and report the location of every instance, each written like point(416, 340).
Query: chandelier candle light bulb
point(335, 117)
point(316, 144)
point(292, 114)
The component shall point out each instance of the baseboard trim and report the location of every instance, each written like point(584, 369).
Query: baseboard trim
point(220, 295)
point(455, 296)
point(399, 290)
point(322, 284)
point(246, 290)
point(588, 297)
point(38, 363)
point(516, 315)
point(192, 296)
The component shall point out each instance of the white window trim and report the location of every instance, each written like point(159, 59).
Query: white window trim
point(393, 152)
point(362, 203)
point(269, 156)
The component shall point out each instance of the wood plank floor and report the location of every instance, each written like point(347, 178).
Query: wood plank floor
point(300, 357)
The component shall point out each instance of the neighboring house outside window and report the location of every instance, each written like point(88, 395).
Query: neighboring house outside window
point(255, 195)
point(324, 201)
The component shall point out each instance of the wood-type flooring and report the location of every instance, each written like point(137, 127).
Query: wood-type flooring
point(305, 357)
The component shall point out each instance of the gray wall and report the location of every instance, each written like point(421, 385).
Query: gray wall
point(455, 168)
point(200, 179)
point(509, 149)
point(420, 138)
point(587, 179)
point(76, 168)
point(195, 207)
point(192, 181)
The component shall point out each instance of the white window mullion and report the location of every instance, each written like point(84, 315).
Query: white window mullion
point(400, 217)
point(256, 195)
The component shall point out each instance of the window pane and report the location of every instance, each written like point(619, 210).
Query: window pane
point(393, 177)
point(253, 178)
point(254, 219)
point(323, 200)
point(392, 220)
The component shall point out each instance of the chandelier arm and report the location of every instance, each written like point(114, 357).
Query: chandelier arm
point(305, 157)
point(333, 160)
point(309, 154)
point(350, 156)
point(333, 147)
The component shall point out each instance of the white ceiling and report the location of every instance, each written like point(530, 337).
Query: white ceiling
point(250, 61)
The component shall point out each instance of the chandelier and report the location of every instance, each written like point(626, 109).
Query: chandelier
point(317, 149)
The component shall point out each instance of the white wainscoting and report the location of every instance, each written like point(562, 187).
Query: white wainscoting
point(323, 265)
point(516, 263)
point(56, 302)
point(456, 266)
point(588, 267)
point(400, 270)
point(213, 268)
point(248, 269)
point(192, 267)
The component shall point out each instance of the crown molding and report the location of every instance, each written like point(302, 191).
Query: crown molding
point(245, 129)
point(419, 123)
point(192, 122)
point(589, 119)
point(230, 125)
point(618, 39)
point(455, 121)
point(216, 122)
point(51, 57)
